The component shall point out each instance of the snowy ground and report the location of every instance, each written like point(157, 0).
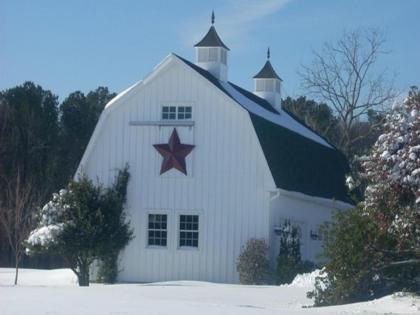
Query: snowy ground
point(56, 292)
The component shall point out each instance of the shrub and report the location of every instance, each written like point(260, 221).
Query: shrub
point(348, 273)
point(252, 264)
point(360, 262)
point(108, 268)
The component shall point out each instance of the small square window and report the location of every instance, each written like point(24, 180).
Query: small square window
point(188, 230)
point(157, 230)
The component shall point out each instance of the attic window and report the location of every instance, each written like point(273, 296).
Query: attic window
point(176, 112)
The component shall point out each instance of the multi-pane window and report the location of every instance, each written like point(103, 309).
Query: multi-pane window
point(169, 112)
point(176, 112)
point(184, 112)
point(188, 230)
point(157, 230)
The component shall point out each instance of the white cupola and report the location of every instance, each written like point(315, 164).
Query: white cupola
point(211, 53)
point(268, 84)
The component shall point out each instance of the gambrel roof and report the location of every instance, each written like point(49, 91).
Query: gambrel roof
point(299, 159)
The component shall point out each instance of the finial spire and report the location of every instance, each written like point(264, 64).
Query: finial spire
point(212, 17)
point(268, 53)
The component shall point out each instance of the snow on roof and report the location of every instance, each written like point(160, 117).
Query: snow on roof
point(283, 119)
point(120, 95)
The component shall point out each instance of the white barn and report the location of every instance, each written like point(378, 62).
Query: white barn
point(212, 165)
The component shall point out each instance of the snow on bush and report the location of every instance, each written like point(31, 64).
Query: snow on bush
point(44, 235)
point(393, 173)
point(50, 224)
point(306, 280)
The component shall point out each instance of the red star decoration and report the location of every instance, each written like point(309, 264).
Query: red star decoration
point(174, 153)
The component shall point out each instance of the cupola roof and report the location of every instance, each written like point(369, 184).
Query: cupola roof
point(267, 72)
point(211, 39)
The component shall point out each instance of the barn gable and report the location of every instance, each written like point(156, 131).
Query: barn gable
point(309, 165)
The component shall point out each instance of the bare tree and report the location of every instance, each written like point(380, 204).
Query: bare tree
point(344, 75)
point(16, 215)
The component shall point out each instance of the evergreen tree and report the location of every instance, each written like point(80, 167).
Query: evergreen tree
point(78, 117)
point(84, 223)
point(29, 133)
point(318, 116)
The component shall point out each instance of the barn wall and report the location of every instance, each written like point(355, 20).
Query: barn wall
point(226, 183)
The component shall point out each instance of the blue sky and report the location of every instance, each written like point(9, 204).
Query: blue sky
point(80, 44)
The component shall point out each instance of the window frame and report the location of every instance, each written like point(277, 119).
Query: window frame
point(187, 109)
point(148, 229)
point(179, 230)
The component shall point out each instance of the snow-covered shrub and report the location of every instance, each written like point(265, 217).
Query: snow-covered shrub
point(393, 173)
point(84, 223)
point(374, 249)
point(252, 264)
point(289, 261)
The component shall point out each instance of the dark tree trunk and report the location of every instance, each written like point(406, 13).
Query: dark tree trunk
point(16, 269)
point(83, 275)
